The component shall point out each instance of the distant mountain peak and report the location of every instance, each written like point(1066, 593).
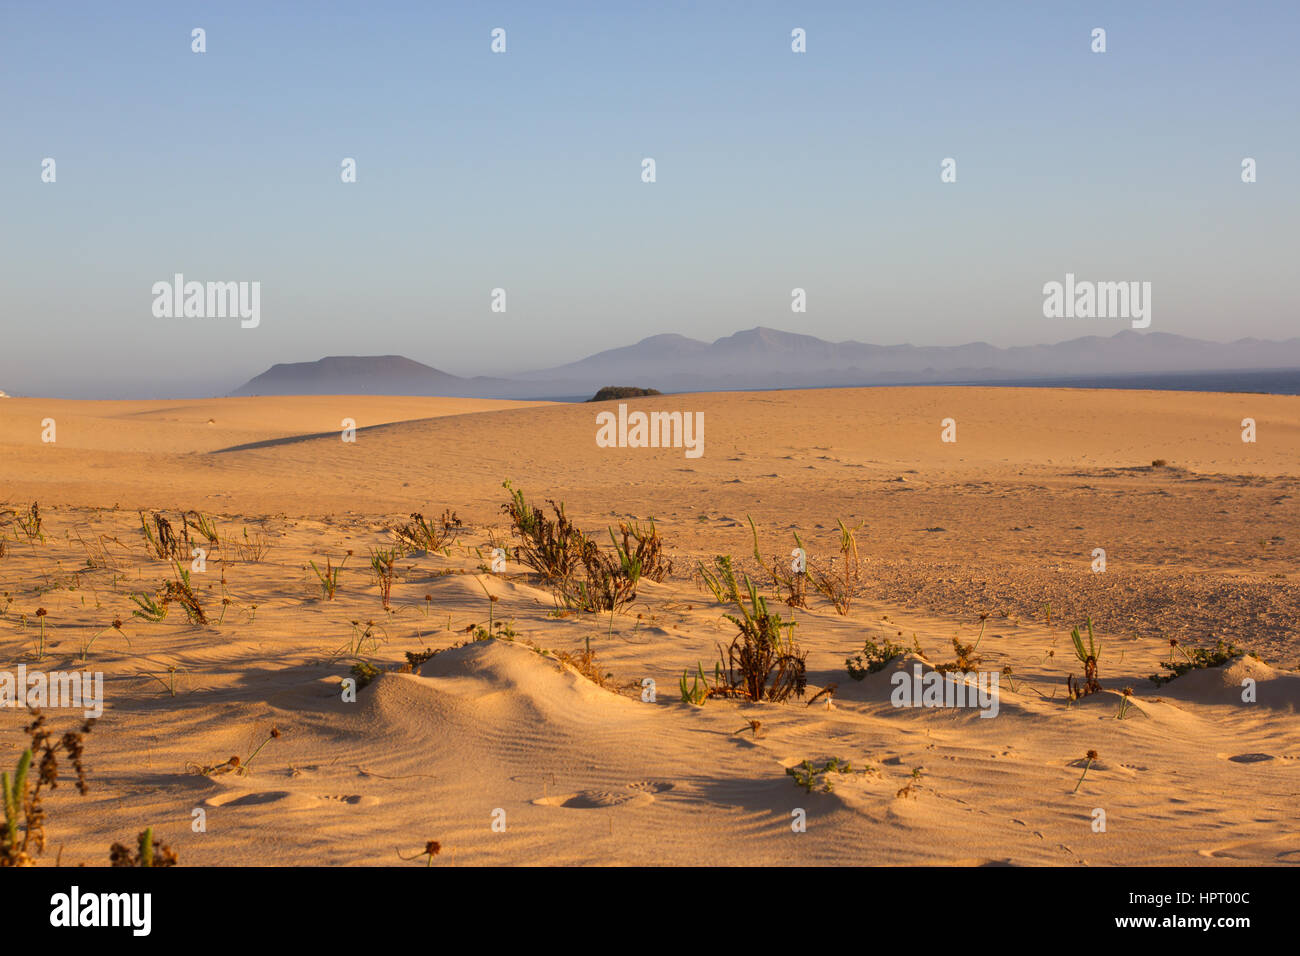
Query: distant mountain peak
point(764, 357)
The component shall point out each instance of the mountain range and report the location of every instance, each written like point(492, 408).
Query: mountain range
point(763, 358)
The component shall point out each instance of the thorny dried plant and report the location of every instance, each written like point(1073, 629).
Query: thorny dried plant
point(585, 664)
point(161, 539)
point(23, 837)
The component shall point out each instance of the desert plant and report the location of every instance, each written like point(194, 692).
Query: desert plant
point(23, 835)
point(362, 637)
point(41, 614)
point(551, 547)
point(966, 658)
point(644, 545)
point(253, 548)
point(580, 574)
point(908, 789)
point(608, 582)
point(431, 849)
point(116, 625)
point(791, 586)
point(149, 609)
point(586, 665)
point(383, 564)
point(329, 578)
point(97, 554)
point(148, 852)
point(840, 586)
point(1124, 703)
point(204, 525)
point(761, 663)
point(161, 538)
point(1087, 656)
point(700, 689)
point(414, 659)
point(30, 523)
point(364, 672)
point(1199, 658)
point(180, 590)
point(421, 535)
point(1088, 760)
point(234, 764)
point(721, 579)
point(169, 683)
point(873, 657)
point(809, 776)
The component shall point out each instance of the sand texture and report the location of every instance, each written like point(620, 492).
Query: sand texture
point(1001, 524)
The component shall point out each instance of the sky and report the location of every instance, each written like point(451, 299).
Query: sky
point(522, 171)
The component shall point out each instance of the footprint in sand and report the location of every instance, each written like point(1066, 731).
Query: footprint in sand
point(351, 799)
point(652, 786)
point(636, 794)
point(1247, 758)
point(287, 800)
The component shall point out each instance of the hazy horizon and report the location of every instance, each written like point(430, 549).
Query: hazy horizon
point(522, 170)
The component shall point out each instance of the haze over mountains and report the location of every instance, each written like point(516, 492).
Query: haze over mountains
point(764, 358)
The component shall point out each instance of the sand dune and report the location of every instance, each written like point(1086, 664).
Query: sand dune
point(1002, 523)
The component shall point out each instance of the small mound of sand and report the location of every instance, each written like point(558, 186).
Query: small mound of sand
point(1225, 685)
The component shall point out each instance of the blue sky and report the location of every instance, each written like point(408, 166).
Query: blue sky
point(522, 171)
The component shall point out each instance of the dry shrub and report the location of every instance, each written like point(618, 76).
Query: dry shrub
point(22, 837)
point(791, 586)
point(649, 549)
point(840, 585)
point(763, 662)
point(419, 534)
point(162, 540)
point(253, 548)
point(579, 573)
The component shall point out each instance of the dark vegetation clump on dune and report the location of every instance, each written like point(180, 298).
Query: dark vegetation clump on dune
point(622, 391)
point(580, 574)
point(1200, 658)
point(763, 662)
